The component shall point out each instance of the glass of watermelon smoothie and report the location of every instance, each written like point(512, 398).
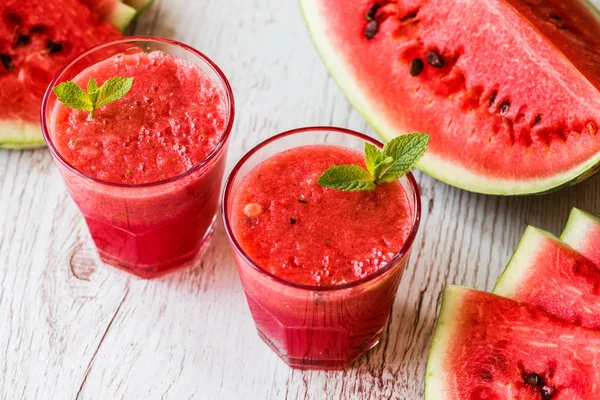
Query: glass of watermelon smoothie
point(320, 267)
point(146, 170)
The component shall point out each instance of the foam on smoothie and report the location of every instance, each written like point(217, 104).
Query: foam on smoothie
point(172, 118)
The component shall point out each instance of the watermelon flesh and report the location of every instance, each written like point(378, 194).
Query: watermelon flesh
point(508, 89)
point(582, 233)
point(489, 347)
point(548, 274)
point(119, 14)
point(37, 38)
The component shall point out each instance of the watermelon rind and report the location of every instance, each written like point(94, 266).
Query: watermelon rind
point(432, 165)
point(575, 231)
point(522, 260)
point(435, 375)
point(139, 5)
point(20, 135)
point(121, 16)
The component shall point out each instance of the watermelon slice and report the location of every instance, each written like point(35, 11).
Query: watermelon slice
point(547, 274)
point(583, 234)
point(139, 5)
point(489, 347)
point(508, 89)
point(119, 14)
point(37, 38)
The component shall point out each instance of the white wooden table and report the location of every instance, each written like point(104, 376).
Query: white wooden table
point(71, 328)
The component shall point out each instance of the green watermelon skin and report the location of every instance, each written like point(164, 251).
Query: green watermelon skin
point(582, 233)
point(515, 109)
point(139, 5)
point(484, 346)
point(117, 13)
point(546, 273)
point(26, 31)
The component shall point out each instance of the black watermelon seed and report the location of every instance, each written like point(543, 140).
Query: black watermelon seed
point(372, 12)
point(293, 221)
point(547, 393)
point(7, 61)
point(22, 40)
point(11, 19)
point(533, 379)
point(434, 59)
point(558, 22)
point(53, 47)
point(537, 119)
point(504, 107)
point(410, 16)
point(302, 201)
point(372, 29)
point(38, 29)
point(493, 98)
point(416, 67)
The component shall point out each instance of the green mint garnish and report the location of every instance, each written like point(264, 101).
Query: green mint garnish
point(71, 95)
point(391, 163)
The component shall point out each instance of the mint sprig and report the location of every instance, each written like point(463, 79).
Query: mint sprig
point(71, 95)
point(391, 163)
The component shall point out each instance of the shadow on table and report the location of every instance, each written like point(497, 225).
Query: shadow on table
point(213, 271)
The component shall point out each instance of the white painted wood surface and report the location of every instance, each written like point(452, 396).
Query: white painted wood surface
point(71, 328)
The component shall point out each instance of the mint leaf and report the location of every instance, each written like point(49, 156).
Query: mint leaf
point(405, 151)
point(92, 85)
point(347, 177)
point(383, 166)
point(373, 157)
point(72, 96)
point(92, 91)
point(113, 89)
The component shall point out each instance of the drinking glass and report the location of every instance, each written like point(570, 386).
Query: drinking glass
point(152, 228)
point(317, 327)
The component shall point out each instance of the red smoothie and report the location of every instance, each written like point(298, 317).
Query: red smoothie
point(146, 170)
point(307, 234)
point(170, 120)
point(320, 267)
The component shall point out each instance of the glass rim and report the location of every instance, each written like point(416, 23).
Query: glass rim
point(218, 148)
point(397, 256)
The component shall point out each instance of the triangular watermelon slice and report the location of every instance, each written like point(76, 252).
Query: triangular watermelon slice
point(582, 233)
point(547, 274)
point(508, 89)
point(139, 5)
point(119, 14)
point(489, 347)
point(37, 38)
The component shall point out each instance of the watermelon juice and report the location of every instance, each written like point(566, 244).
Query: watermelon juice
point(320, 267)
point(146, 170)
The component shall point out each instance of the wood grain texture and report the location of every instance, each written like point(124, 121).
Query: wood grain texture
point(71, 328)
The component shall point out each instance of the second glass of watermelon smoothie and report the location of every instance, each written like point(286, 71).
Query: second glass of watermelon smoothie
point(320, 267)
point(146, 170)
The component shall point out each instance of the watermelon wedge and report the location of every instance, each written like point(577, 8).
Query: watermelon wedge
point(139, 5)
point(119, 14)
point(489, 347)
point(508, 89)
point(547, 274)
point(583, 234)
point(37, 38)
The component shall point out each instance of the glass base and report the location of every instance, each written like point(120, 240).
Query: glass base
point(157, 270)
point(324, 364)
